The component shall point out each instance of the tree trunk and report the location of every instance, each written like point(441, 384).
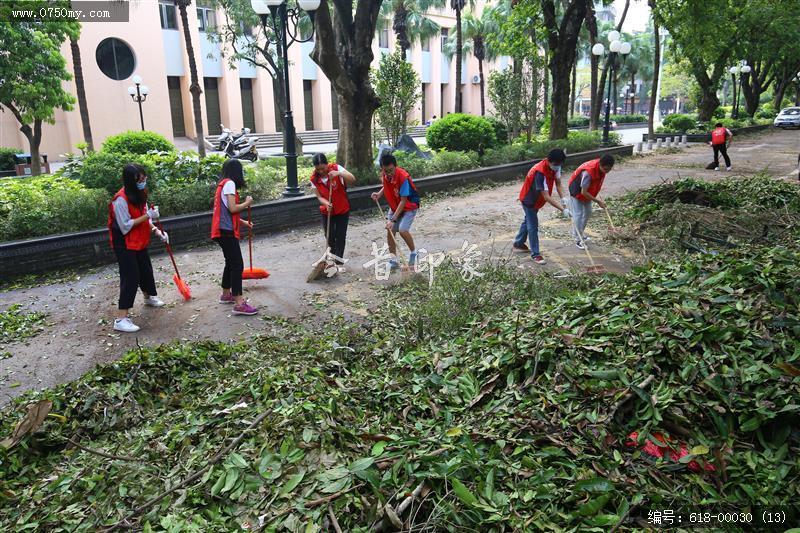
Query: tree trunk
point(459, 58)
point(656, 67)
point(591, 26)
point(614, 101)
point(400, 27)
point(34, 136)
point(574, 87)
point(194, 88)
point(77, 69)
point(633, 92)
point(708, 104)
point(483, 88)
point(797, 94)
point(343, 51)
point(562, 43)
point(780, 92)
point(546, 78)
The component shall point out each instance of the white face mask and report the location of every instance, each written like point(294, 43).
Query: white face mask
point(141, 185)
point(556, 168)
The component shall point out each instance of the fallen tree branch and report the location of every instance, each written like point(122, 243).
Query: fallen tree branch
point(102, 454)
point(649, 379)
point(401, 509)
point(191, 478)
point(334, 522)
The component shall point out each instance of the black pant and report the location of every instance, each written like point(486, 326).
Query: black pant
point(135, 271)
point(234, 264)
point(338, 233)
point(721, 149)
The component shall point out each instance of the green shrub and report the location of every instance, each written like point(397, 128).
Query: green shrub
point(47, 205)
point(459, 132)
point(766, 112)
point(446, 162)
point(576, 141)
point(505, 154)
point(416, 166)
point(137, 142)
point(500, 130)
point(627, 119)
point(101, 170)
point(719, 112)
point(679, 123)
point(8, 161)
point(577, 122)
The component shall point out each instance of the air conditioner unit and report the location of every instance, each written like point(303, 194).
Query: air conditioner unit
point(476, 78)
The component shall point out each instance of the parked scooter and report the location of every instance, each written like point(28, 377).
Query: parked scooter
point(237, 146)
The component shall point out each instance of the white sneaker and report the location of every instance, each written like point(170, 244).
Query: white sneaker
point(586, 238)
point(579, 245)
point(154, 301)
point(716, 168)
point(728, 169)
point(125, 325)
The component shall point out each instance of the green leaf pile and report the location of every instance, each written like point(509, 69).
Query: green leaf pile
point(514, 420)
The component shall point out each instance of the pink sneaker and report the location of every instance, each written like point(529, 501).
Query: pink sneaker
point(244, 309)
point(226, 298)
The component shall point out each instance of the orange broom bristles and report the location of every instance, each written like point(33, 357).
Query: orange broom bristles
point(254, 273)
point(183, 288)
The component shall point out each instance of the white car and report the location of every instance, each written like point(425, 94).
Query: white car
point(788, 118)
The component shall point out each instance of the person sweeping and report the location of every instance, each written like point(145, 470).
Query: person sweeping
point(130, 223)
point(225, 222)
point(720, 139)
point(537, 190)
point(330, 182)
point(584, 186)
point(403, 199)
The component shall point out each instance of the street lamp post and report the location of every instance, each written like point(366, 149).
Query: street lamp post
point(139, 94)
point(616, 48)
point(280, 13)
point(741, 69)
point(797, 93)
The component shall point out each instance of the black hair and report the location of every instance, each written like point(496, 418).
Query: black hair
point(556, 155)
point(718, 125)
point(388, 159)
point(130, 175)
point(232, 169)
point(319, 159)
point(607, 160)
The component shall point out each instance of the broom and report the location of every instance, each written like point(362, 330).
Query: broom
point(252, 273)
point(595, 268)
point(183, 288)
point(319, 268)
point(391, 236)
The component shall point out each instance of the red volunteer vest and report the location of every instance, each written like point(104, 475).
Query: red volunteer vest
point(597, 176)
point(218, 207)
point(138, 237)
point(718, 136)
point(391, 189)
point(341, 204)
point(528, 185)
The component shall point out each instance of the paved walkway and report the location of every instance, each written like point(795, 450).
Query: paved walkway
point(79, 336)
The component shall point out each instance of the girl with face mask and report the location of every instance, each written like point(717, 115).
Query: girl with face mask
point(130, 223)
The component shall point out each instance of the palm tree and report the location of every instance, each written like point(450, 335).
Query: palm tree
point(458, 6)
point(194, 88)
point(475, 32)
point(409, 20)
point(639, 62)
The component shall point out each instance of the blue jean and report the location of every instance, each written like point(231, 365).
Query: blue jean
point(529, 229)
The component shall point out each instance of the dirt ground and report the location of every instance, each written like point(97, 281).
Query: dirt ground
point(78, 334)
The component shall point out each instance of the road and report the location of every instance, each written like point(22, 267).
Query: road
point(78, 335)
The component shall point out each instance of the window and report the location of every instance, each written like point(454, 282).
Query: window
point(211, 90)
point(444, 38)
point(383, 34)
point(426, 44)
point(115, 58)
point(167, 12)
point(176, 106)
point(206, 18)
point(308, 101)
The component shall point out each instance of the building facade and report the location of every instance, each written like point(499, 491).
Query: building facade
point(151, 45)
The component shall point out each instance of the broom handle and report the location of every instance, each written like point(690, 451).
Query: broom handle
point(330, 212)
point(391, 234)
point(169, 250)
point(580, 238)
point(250, 235)
point(609, 218)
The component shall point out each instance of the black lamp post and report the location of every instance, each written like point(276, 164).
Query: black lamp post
point(741, 69)
point(616, 47)
point(280, 13)
point(139, 94)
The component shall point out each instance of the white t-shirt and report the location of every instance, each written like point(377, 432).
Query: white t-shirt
point(228, 188)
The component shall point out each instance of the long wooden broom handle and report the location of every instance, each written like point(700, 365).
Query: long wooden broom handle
point(250, 235)
point(609, 218)
point(391, 234)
